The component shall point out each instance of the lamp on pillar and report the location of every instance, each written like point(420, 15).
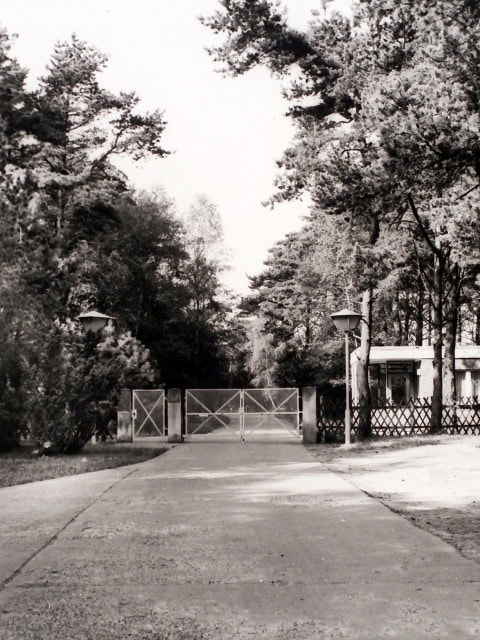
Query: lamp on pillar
point(346, 321)
point(95, 321)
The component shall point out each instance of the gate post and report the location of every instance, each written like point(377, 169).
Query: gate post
point(309, 405)
point(174, 403)
point(124, 417)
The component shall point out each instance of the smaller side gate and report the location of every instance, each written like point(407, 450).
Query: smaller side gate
point(148, 413)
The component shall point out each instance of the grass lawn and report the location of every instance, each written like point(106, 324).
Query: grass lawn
point(19, 467)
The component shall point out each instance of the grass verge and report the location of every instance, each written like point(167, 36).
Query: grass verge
point(19, 467)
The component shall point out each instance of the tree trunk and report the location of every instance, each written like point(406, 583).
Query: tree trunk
point(459, 323)
point(449, 388)
point(308, 330)
point(364, 398)
point(450, 339)
point(451, 326)
point(407, 321)
point(437, 339)
point(419, 315)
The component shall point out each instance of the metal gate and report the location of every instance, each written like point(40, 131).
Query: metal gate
point(242, 413)
point(271, 411)
point(148, 413)
point(213, 411)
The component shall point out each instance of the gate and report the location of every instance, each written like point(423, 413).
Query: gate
point(271, 411)
point(215, 411)
point(241, 413)
point(148, 413)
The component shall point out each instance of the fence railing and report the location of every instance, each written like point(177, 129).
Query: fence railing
point(389, 419)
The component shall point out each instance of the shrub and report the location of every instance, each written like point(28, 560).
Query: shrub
point(79, 378)
point(13, 395)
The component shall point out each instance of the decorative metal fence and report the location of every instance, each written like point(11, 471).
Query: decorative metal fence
point(412, 418)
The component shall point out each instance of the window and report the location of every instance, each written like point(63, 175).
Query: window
point(378, 384)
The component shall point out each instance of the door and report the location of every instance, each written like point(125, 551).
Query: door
point(399, 388)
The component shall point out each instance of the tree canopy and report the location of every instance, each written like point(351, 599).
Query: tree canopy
point(386, 112)
point(77, 236)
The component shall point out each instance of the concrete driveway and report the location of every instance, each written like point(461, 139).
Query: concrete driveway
point(224, 540)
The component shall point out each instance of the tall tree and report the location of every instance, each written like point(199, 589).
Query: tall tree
point(387, 118)
point(306, 276)
point(74, 130)
point(84, 127)
point(325, 93)
point(208, 304)
point(425, 118)
point(18, 326)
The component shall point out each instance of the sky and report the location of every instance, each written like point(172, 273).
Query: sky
point(225, 134)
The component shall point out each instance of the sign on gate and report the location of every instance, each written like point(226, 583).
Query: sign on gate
point(239, 413)
point(148, 413)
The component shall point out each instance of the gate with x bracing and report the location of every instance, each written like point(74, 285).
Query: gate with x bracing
point(244, 414)
point(148, 413)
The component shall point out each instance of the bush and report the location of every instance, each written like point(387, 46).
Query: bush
point(78, 381)
point(13, 396)
point(11, 417)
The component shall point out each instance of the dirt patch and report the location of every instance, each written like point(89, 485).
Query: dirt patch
point(433, 481)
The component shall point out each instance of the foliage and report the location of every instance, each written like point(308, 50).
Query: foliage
point(82, 127)
point(77, 384)
point(307, 276)
point(75, 237)
point(14, 378)
point(386, 107)
point(20, 336)
point(208, 336)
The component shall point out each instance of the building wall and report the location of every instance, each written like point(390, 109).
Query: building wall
point(425, 379)
point(467, 366)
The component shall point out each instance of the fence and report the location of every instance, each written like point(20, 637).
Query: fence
point(388, 419)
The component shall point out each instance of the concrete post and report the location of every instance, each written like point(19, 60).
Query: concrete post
point(124, 417)
point(309, 404)
point(174, 400)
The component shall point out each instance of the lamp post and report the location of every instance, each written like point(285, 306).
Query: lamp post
point(346, 321)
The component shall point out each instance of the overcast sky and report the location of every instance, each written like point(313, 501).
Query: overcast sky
point(226, 133)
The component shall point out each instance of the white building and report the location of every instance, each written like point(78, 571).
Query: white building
point(400, 373)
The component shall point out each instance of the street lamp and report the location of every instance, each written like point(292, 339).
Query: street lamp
point(94, 321)
point(346, 321)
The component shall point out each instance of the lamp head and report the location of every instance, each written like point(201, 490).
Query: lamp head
point(94, 321)
point(346, 320)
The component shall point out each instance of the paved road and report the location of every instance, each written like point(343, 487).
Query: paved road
point(224, 540)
